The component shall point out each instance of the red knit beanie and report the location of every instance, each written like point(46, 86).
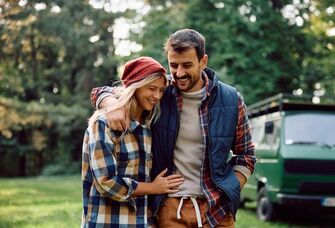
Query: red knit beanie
point(139, 68)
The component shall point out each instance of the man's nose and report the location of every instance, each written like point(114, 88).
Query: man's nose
point(180, 71)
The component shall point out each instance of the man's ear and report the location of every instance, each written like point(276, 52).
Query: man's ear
point(203, 62)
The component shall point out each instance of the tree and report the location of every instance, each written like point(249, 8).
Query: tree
point(318, 67)
point(52, 53)
point(59, 48)
point(251, 45)
point(157, 28)
point(261, 47)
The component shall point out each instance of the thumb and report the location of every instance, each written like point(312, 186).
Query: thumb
point(161, 174)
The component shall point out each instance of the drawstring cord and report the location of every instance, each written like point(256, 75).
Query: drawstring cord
point(196, 208)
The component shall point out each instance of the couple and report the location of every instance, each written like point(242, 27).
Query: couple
point(195, 122)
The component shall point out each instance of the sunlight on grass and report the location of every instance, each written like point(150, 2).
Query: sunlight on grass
point(40, 202)
point(13, 192)
point(246, 218)
point(48, 202)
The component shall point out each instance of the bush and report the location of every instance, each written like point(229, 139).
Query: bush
point(61, 169)
point(41, 136)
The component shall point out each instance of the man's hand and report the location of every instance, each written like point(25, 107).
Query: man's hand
point(117, 120)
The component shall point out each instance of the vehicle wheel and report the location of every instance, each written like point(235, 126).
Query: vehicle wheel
point(265, 209)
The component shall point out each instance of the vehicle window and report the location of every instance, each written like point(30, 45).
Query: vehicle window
point(263, 140)
point(313, 128)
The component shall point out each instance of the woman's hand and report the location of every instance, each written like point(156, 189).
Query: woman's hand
point(161, 185)
point(167, 185)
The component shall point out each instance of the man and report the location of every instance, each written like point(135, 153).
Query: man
point(201, 122)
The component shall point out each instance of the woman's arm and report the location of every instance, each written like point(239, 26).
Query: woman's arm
point(104, 165)
point(104, 168)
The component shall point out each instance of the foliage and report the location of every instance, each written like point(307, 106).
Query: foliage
point(53, 52)
point(252, 44)
point(157, 28)
point(245, 48)
point(61, 168)
point(34, 134)
point(59, 49)
point(318, 67)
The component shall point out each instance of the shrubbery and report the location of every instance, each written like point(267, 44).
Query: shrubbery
point(36, 137)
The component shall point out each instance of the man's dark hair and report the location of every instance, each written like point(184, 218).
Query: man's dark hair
point(185, 39)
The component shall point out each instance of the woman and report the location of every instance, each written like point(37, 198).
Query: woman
point(116, 165)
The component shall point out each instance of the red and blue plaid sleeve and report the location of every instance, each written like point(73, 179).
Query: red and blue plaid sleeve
point(99, 93)
point(94, 95)
point(244, 151)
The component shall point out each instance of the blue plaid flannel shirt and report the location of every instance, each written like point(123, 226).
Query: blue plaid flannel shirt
point(112, 166)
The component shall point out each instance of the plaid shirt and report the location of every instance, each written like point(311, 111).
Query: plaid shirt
point(243, 154)
point(112, 166)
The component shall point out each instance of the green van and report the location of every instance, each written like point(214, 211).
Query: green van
point(295, 149)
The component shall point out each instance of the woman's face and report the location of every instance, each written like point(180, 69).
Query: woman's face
point(149, 95)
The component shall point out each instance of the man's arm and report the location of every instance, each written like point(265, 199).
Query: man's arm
point(98, 96)
point(103, 97)
point(244, 158)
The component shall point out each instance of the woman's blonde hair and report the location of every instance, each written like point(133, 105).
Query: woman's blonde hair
point(125, 98)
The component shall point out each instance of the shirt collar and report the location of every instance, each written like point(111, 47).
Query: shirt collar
point(133, 125)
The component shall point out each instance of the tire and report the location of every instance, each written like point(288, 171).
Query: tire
point(265, 209)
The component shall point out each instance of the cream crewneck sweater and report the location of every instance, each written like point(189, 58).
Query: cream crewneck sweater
point(189, 150)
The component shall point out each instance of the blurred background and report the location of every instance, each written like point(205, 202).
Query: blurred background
point(53, 52)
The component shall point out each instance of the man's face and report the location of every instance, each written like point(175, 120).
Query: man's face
point(186, 69)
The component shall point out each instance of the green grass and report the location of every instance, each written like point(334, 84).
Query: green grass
point(40, 202)
point(56, 202)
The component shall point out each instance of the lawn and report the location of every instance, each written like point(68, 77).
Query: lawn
point(56, 202)
point(40, 202)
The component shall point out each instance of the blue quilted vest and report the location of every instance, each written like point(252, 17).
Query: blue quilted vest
point(223, 115)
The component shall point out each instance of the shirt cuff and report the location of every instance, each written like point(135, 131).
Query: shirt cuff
point(100, 98)
point(132, 185)
point(242, 169)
